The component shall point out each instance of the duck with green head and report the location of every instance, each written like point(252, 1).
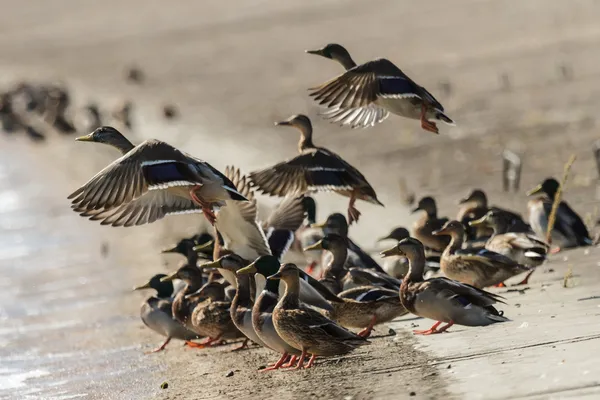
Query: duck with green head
point(157, 313)
point(569, 230)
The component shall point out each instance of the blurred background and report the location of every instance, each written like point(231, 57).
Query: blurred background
point(211, 77)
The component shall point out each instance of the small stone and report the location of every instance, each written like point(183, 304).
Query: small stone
point(449, 366)
point(164, 385)
point(261, 367)
point(170, 111)
point(229, 374)
point(392, 332)
point(412, 394)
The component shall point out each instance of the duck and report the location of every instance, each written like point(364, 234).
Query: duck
point(475, 206)
point(306, 329)
point(212, 317)
point(262, 311)
point(308, 235)
point(355, 309)
point(483, 269)
point(366, 94)
point(315, 169)
point(441, 299)
point(569, 230)
point(149, 182)
point(157, 314)
point(429, 222)
point(524, 248)
point(337, 224)
point(241, 305)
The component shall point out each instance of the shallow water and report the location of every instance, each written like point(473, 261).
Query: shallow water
point(69, 323)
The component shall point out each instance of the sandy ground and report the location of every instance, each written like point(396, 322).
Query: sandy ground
point(514, 75)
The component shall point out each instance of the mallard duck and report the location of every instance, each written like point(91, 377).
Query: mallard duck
point(486, 268)
point(336, 224)
point(522, 247)
point(356, 309)
point(262, 311)
point(150, 182)
point(442, 299)
point(306, 329)
point(315, 169)
point(429, 222)
point(475, 206)
point(308, 235)
point(396, 266)
point(183, 307)
point(367, 93)
point(568, 230)
point(157, 314)
point(212, 317)
point(241, 305)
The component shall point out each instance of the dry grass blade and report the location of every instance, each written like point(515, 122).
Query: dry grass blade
point(557, 198)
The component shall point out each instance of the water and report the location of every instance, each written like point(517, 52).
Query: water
point(69, 325)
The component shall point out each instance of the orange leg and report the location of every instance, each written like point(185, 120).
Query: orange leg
point(429, 331)
point(311, 362)
point(290, 363)
point(555, 250)
point(367, 331)
point(353, 213)
point(427, 125)
point(445, 327)
point(310, 269)
point(160, 348)
point(206, 209)
point(205, 343)
point(501, 284)
point(525, 281)
point(244, 345)
point(300, 360)
point(278, 364)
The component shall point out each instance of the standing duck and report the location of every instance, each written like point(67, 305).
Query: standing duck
point(486, 268)
point(568, 230)
point(442, 299)
point(157, 313)
point(424, 227)
point(306, 329)
point(262, 311)
point(522, 247)
point(149, 182)
point(315, 169)
point(365, 94)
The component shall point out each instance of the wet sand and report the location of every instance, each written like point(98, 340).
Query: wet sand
point(70, 325)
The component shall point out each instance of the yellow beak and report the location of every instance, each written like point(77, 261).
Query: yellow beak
point(212, 264)
point(250, 269)
point(86, 138)
point(477, 222)
point(169, 278)
point(144, 286)
point(316, 246)
point(318, 225)
point(203, 246)
point(535, 190)
point(390, 252)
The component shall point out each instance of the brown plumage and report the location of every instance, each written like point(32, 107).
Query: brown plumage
point(429, 222)
point(315, 169)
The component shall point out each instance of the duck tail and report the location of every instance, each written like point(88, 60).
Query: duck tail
point(495, 315)
point(443, 117)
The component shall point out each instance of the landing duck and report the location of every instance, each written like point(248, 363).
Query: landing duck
point(365, 94)
point(315, 169)
point(149, 182)
point(442, 299)
point(569, 230)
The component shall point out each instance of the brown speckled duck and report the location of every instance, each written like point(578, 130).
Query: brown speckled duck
point(429, 222)
point(486, 268)
point(315, 169)
point(442, 299)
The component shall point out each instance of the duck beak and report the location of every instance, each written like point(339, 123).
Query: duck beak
point(274, 277)
point(169, 278)
point(85, 138)
point(316, 246)
point(319, 225)
point(144, 286)
point(169, 250)
point(381, 239)
point(318, 52)
point(250, 269)
point(390, 252)
point(477, 222)
point(195, 294)
point(535, 190)
point(203, 246)
point(212, 264)
point(283, 123)
point(439, 232)
point(463, 200)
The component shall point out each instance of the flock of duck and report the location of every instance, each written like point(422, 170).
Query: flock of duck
point(233, 285)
